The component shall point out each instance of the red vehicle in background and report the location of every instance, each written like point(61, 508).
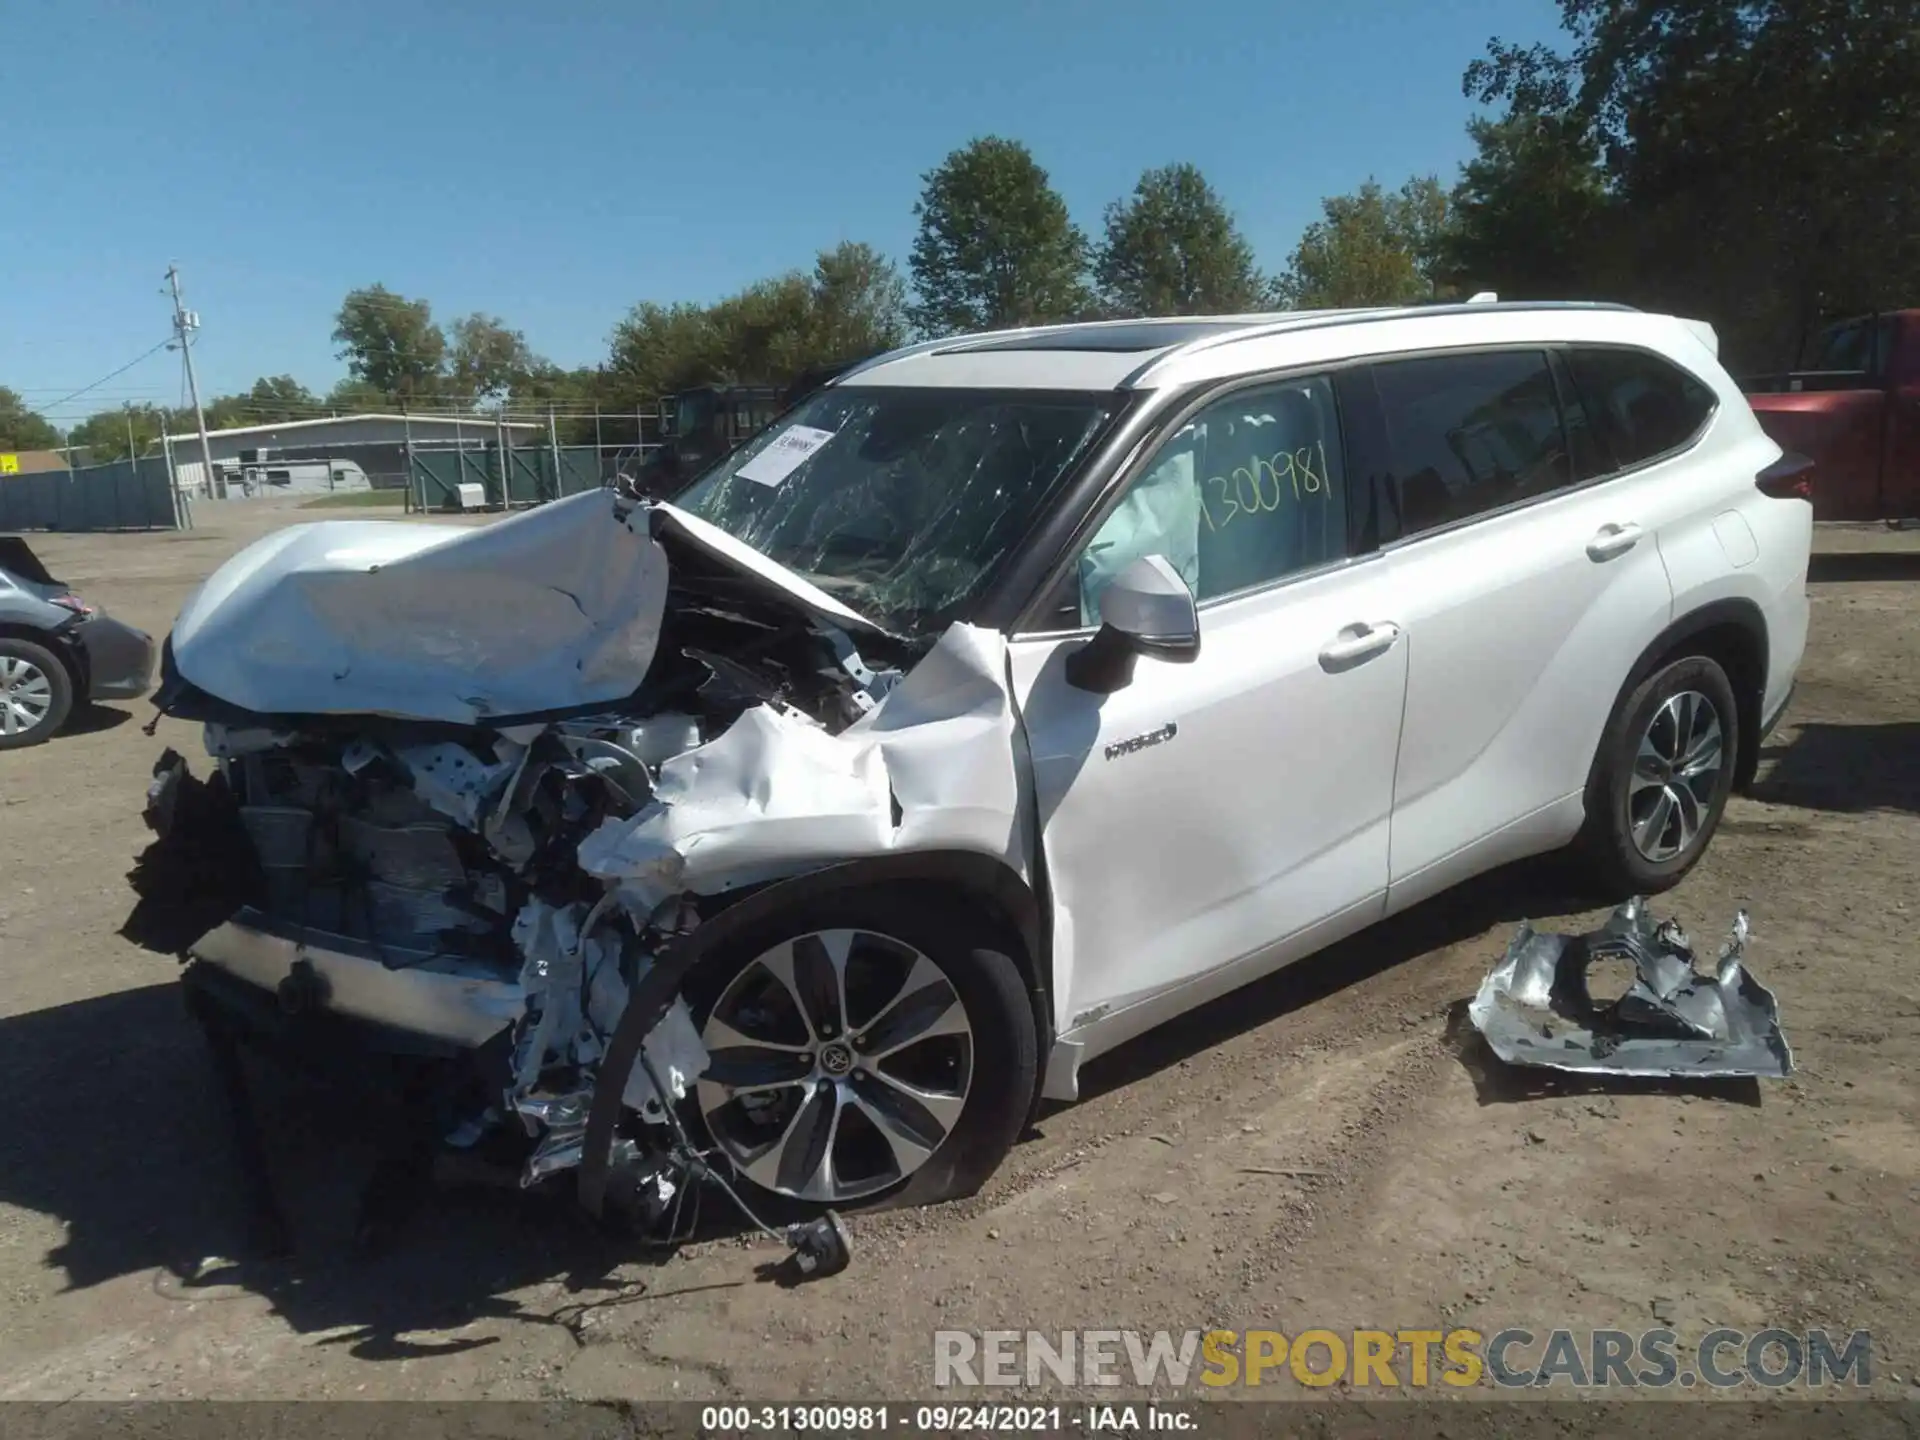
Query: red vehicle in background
point(1854, 412)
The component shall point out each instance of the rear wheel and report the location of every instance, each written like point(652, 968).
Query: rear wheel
point(866, 1047)
point(1661, 780)
point(36, 693)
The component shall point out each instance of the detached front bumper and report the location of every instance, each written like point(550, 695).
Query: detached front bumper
point(435, 1006)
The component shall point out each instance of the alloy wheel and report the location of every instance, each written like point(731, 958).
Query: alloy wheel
point(838, 1063)
point(26, 695)
point(1675, 774)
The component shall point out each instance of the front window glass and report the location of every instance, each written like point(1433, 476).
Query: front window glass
point(901, 502)
point(1249, 491)
point(692, 415)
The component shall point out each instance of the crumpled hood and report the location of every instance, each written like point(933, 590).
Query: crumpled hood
point(555, 608)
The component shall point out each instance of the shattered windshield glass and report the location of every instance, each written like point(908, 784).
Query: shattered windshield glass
point(900, 501)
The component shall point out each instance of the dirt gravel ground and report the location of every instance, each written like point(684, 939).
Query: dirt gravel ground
point(1329, 1148)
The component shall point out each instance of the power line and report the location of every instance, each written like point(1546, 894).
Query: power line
point(50, 389)
point(104, 378)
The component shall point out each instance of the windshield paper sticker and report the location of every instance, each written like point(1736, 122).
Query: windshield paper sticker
point(786, 454)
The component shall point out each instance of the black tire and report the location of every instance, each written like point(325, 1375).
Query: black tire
point(1005, 1045)
point(59, 683)
point(1607, 843)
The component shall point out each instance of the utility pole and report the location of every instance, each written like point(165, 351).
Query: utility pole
point(181, 516)
point(184, 323)
point(133, 457)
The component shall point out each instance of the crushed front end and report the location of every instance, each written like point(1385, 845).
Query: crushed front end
point(393, 852)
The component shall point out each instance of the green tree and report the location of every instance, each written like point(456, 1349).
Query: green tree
point(658, 349)
point(272, 399)
point(391, 343)
point(21, 428)
point(1531, 217)
point(544, 383)
point(859, 304)
point(764, 333)
point(1765, 154)
point(1171, 248)
point(107, 434)
point(354, 396)
point(1369, 248)
point(996, 246)
point(573, 394)
point(486, 357)
point(851, 305)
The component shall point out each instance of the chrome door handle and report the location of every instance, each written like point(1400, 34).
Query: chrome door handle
point(1611, 540)
point(1359, 642)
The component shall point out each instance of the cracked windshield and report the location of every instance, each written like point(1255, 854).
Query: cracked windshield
point(901, 502)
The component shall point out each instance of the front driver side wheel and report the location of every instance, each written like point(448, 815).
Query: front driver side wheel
point(865, 1047)
point(1663, 776)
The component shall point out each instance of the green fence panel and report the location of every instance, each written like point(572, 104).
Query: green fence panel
point(95, 495)
point(579, 469)
point(524, 475)
point(436, 473)
point(48, 489)
point(126, 491)
point(122, 495)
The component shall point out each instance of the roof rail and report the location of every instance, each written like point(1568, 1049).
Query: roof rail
point(1328, 319)
point(929, 347)
point(1258, 326)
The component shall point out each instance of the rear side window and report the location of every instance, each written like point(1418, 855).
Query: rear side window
point(1845, 347)
point(1640, 406)
point(1471, 433)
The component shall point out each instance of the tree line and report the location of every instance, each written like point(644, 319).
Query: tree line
point(1754, 163)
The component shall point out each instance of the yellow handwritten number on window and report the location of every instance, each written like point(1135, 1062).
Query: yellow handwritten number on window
point(1244, 492)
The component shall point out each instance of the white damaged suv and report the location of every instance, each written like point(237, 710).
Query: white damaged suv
point(1011, 695)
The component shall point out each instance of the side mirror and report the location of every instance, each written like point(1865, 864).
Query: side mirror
point(1147, 610)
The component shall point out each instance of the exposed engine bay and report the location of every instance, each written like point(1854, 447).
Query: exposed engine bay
point(506, 884)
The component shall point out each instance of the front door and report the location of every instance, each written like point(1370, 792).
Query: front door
point(1216, 817)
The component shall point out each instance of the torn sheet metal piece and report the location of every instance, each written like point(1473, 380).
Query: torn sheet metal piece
point(774, 795)
point(455, 781)
point(575, 995)
point(553, 980)
point(1534, 1007)
point(673, 1047)
point(229, 742)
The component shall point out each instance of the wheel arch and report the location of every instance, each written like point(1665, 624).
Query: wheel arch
point(55, 645)
point(1733, 634)
point(981, 879)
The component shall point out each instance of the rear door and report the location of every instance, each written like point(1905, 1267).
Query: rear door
point(1835, 413)
point(1528, 586)
point(1899, 350)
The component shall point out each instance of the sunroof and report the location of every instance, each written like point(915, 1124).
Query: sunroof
point(1117, 339)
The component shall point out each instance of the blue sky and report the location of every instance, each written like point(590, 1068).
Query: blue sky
point(555, 163)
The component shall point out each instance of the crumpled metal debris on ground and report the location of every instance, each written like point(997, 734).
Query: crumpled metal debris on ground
point(1534, 1007)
